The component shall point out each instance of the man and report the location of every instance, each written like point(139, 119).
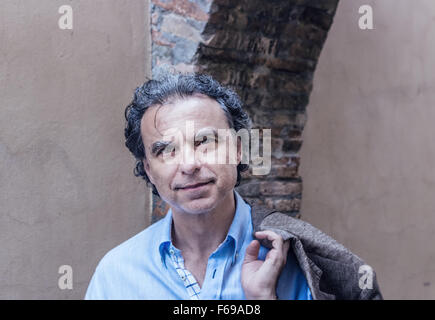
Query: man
point(205, 247)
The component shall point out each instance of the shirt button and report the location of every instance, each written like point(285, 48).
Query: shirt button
point(183, 278)
point(171, 251)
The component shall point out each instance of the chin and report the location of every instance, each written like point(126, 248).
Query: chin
point(199, 206)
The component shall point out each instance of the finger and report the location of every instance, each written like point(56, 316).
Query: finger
point(286, 247)
point(278, 254)
point(274, 257)
point(276, 239)
point(273, 264)
point(251, 253)
point(276, 260)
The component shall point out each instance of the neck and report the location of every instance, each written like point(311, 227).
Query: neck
point(201, 234)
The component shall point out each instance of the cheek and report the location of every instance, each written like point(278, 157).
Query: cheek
point(234, 174)
point(163, 174)
point(226, 174)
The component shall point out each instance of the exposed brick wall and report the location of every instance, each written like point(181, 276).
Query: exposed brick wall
point(177, 28)
point(267, 51)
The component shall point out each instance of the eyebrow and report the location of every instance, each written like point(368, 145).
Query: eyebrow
point(157, 146)
point(205, 132)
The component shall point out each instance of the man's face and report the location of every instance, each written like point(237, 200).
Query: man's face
point(191, 184)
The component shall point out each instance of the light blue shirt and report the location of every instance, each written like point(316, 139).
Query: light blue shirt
point(148, 266)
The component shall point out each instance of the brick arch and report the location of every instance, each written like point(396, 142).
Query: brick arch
point(267, 51)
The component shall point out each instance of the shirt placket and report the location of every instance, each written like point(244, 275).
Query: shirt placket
point(216, 268)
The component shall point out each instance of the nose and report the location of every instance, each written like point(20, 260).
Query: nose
point(190, 163)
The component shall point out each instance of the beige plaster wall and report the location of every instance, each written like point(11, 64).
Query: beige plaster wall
point(67, 191)
point(368, 156)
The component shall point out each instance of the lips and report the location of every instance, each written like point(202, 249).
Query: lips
point(196, 185)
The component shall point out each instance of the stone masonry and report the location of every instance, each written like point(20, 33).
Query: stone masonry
point(267, 51)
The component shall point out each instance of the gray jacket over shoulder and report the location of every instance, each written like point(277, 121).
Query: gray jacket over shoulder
point(331, 270)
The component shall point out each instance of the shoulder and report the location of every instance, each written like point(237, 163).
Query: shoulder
point(141, 242)
point(312, 238)
point(116, 273)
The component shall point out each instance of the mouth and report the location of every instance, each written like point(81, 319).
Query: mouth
point(195, 186)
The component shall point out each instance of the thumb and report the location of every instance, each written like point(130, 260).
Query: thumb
point(252, 250)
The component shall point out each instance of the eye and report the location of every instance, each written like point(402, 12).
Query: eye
point(198, 142)
point(205, 140)
point(169, 150)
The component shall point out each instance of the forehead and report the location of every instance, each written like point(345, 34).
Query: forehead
point(204, 111)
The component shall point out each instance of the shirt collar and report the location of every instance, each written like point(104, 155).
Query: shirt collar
point(236, 232)
point(165, 236)
point(241, 221)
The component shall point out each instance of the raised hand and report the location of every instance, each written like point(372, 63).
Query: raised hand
point(259, 278)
